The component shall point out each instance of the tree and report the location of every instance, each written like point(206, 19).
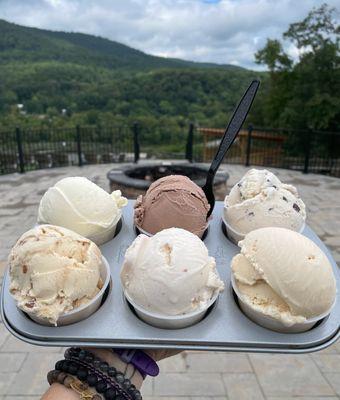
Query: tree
point(304, 93)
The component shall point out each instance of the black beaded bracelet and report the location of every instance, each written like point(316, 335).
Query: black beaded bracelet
point(98, 374)
point(89, 358)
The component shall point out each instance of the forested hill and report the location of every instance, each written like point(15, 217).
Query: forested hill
point(19, 43)
point(100, 81)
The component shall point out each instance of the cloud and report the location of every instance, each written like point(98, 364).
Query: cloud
point(222, 31)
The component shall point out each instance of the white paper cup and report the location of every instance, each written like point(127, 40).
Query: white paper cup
point(106, 235)
point(236, 236)
point(170, 321)
point(272, 323)
point(84, 311)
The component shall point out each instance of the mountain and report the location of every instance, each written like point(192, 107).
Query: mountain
point(19, 43)
point(99, 81)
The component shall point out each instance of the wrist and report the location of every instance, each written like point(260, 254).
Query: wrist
point(114, 361)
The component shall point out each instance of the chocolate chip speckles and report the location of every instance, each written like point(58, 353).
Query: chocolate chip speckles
point(251, 214)
point(296, 207)
point(284, 198)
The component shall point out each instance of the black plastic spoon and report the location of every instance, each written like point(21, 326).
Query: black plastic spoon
point(228, 138)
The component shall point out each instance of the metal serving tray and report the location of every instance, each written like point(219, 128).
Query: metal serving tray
point(225, 328)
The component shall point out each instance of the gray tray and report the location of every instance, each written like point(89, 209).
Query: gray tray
point(225, 328)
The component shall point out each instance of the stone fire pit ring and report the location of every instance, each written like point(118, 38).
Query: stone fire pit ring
point(135, 179)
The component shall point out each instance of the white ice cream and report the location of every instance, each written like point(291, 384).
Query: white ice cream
point(170, 273)
point(260, 200)
point(285, 275)
point(53, 270)
point(80, 205)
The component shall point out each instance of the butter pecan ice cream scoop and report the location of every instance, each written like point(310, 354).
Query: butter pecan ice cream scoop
point(53, 270)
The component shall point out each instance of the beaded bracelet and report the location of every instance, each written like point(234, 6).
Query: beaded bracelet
point(70, 382)
point(98, 374)
point(89, 359)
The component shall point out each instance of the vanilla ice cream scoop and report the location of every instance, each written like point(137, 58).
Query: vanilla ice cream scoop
point(78, 204)
point(285, 275)
point(52, 271)
point(261, 200)
point(170, 273)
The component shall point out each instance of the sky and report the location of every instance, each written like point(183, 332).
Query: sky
point(220, 31)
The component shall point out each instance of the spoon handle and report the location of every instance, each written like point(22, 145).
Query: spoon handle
point(234, 126)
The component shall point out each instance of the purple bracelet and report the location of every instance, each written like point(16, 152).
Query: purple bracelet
point(140, 360)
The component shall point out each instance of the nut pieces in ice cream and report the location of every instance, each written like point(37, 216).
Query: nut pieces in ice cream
point(53, 271)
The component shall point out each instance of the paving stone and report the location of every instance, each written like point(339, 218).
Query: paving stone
point(327, 362)
point(147, 388)
point(6, 382)
point(334, 380)
point(242, 387)
point(31, 380)
point(173, 364)
point(207, 398)
point(11, 362)
point(15, 345)
point(218, 362)
point(289, 375)
point(4, 334)
point(170, 398)
point(303, 398)
point(22, 398)
point(189, 385)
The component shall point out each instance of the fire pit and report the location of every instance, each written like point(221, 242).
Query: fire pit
point(134, 180)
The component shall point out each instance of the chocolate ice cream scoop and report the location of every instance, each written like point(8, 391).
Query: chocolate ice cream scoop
point(174, 201)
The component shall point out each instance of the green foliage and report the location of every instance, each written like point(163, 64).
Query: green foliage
point(304, 94)
point(100, 82)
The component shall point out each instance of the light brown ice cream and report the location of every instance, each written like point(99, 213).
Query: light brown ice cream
point(53, 270)
point(174, 201)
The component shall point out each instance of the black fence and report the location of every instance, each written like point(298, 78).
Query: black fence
point(26, 149)
point(306, 151)
point(29, 149)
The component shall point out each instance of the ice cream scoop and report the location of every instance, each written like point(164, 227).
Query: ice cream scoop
point(174, 201)
point(261, 200)
point(284, 275)
point(78, 204)
point(52, 271)
point(170, 273)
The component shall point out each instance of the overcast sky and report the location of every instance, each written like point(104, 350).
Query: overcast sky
point(221, 31)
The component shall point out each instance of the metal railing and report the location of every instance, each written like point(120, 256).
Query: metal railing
point(306, 151)
point(28, 149)
point(35, 148)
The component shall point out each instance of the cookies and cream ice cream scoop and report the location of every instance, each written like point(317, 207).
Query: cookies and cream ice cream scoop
point(261, 200)
point(52, 271)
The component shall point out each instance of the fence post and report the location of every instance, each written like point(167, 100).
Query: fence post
point(307, 144)
point(20, 151)
point(190, 142)
point(250, 130)
point(136, 141)
point(78, 138)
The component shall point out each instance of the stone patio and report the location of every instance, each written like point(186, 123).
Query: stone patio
point(190, 375)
